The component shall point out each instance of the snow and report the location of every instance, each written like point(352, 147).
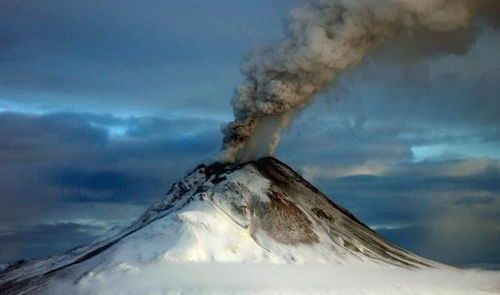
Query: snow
point(250, 178)
point(211, 254)
point(203, 239)
point(202, 234)
point(246, 278)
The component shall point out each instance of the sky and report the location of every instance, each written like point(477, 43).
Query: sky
point(104, 104)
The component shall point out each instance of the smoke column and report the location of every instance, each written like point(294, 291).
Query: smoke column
point(324, 38)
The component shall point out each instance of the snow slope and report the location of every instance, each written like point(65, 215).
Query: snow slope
point(251, 228)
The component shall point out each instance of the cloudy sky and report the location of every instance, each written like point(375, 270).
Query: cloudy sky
point(104, 104)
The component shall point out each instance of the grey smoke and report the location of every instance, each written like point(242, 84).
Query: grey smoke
point(323, 39)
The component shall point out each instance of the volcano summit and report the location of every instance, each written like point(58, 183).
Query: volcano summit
point(256, 227)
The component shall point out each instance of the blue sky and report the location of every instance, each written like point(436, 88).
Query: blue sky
point(103, 105)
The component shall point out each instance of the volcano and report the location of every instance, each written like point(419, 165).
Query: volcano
point(233, 221)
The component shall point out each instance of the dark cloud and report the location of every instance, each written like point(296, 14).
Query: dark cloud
point(466, 246)
point(111, 55)
point(490, 9)
point(96, 181)
point(49, 239)
point(409, 183)
point(103, 186)
point(30, 138)
point(474, 200)
point(51, 159)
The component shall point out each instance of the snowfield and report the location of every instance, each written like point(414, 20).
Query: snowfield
point(258, 278)
point(257, 228)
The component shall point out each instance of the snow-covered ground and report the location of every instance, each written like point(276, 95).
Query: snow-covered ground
point(257, 278)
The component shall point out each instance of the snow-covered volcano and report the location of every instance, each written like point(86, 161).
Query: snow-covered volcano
point(231, 221)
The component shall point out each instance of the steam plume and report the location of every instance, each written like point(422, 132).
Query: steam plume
point(324, 38)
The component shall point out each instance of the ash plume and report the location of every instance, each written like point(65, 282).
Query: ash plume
point(323, 39)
